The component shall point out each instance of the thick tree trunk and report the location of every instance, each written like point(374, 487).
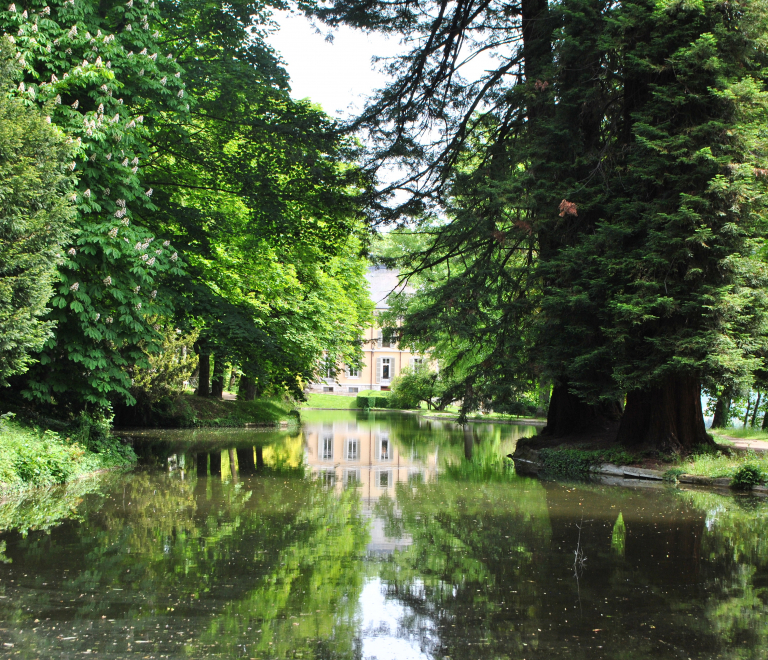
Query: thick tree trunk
point(204, 368)
point(723, 409)
point(215, 462)
point(245, 463)
point(569, 415)
point(667, 417)
point(217, 383)
point(247, 389)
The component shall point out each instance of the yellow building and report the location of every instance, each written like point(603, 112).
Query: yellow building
point(382, 360)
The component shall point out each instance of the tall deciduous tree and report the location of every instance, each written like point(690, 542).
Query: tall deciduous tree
point(35, 220)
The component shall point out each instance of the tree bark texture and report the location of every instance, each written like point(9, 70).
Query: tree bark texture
point(217, 383)
point(247, 389)
point(723, 409)
point(667, 417)
point(245, 462)
point(232, 464)
point(204, 367)
point(469, 442)
point(569, 415)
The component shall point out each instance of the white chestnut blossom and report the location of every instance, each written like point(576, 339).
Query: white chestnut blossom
point(71, 252)
point(137, 289)
point(166, 243)
point(113, 232)
point(75, 286)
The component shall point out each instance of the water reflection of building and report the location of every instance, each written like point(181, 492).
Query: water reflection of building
point(345, 454)
point(349, 455)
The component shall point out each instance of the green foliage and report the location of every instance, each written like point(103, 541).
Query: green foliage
point(412, 386)
point(35, 220)
point(168, 369)
point(747, 476)
point(103, 76)
point(31, 457)
point(577, 462)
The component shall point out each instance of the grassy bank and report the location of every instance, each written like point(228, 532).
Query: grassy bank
point(190, 411)
point(31, 457)
point(727, 463)
point(336, 401)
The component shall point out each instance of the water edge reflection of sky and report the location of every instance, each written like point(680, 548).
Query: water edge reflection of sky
point(404, 541)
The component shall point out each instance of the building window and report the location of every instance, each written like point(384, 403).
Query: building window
point(384, 479)
point(353, 390)
point(326, 448)
point(327, 477)
point(327, 389)
point(417, 363)
point(386, 368)
point(352, 478)
point(353, 372)
point(385, 449)
point(353, 449)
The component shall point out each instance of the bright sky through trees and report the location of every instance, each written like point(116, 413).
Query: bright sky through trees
point(336, 74)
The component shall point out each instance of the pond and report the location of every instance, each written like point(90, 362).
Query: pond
point(373, 535)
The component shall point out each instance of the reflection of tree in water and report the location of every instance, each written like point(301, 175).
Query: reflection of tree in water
point(471, 541)
point(662, 579)
point(224, 565)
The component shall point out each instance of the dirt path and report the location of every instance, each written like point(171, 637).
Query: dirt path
point(744, 443)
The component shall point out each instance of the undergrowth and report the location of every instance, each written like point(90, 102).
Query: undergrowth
point(577, 462)
point(31, 457)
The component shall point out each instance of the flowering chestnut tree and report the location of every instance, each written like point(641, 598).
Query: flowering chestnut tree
point(100, 73)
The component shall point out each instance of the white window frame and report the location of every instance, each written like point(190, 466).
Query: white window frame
point(352, 443)
point(324, 440)
point(380, 457)
point(352, 372)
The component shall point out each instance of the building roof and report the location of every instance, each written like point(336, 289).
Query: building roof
point(382, 282)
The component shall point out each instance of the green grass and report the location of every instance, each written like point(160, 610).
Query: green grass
point(723, 465)
point(336, 401)
point(452, 412)
point(31, 457)
point(741, 433)
point(190, 411)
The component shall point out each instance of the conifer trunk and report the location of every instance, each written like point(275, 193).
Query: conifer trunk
point(722, 409)
point(204, 377)
point(217, 383)
point(667, 417)
point(569, 415)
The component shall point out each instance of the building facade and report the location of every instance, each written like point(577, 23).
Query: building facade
point(383, 360)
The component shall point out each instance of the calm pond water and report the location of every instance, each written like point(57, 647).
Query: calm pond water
point(375, 536)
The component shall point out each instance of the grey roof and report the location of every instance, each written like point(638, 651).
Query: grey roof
point(382, 282)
